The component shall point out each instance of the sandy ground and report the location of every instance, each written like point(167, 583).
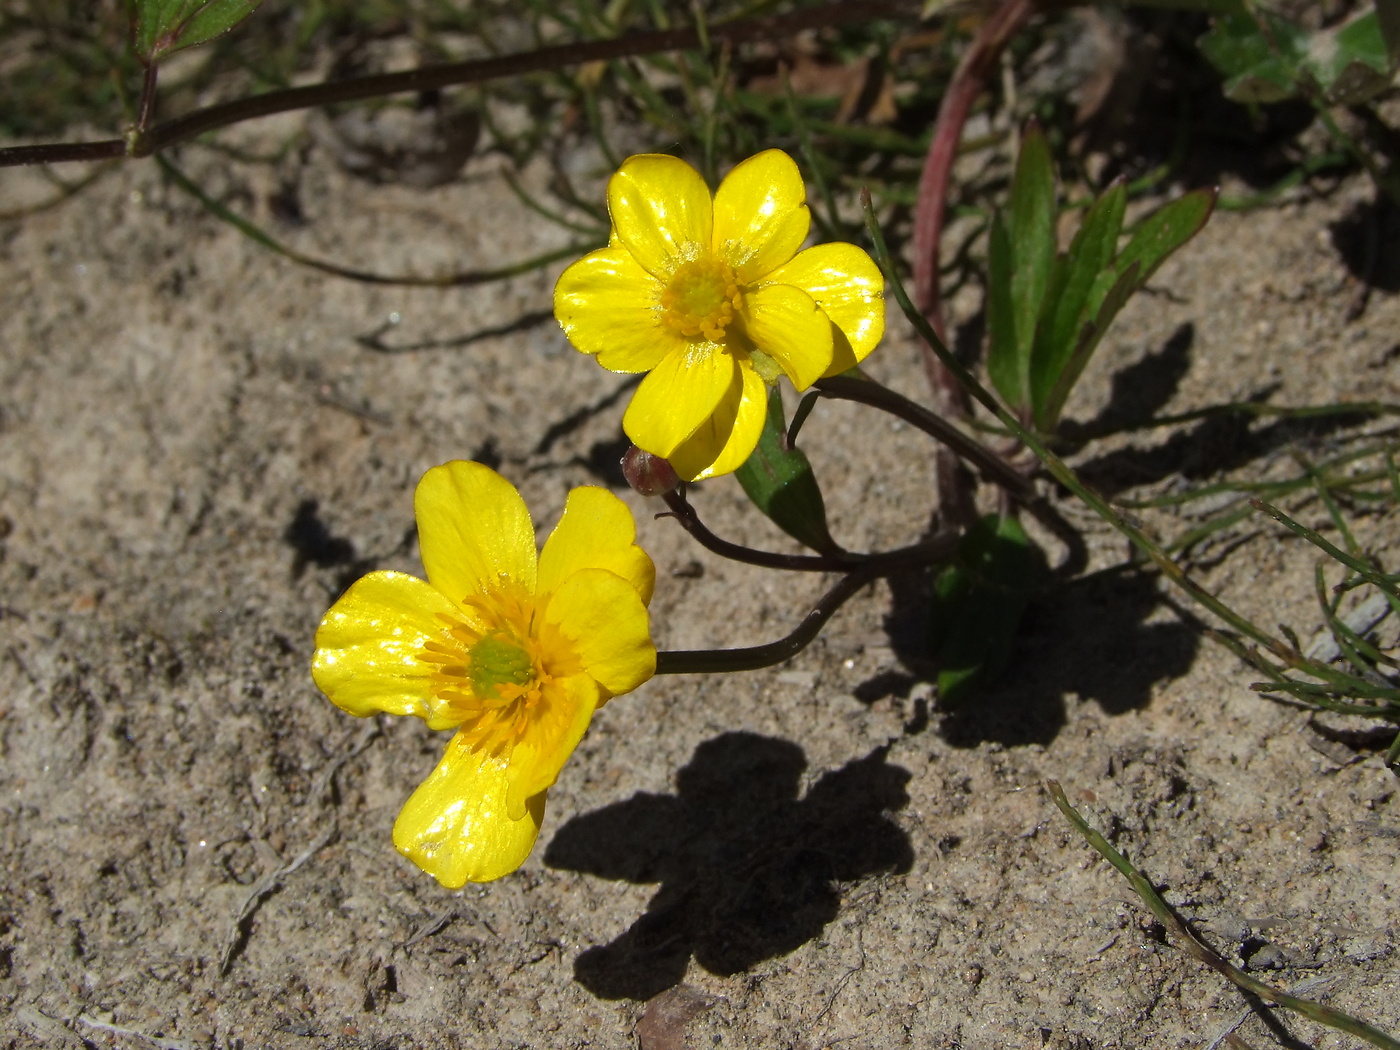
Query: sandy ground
point(198, 451)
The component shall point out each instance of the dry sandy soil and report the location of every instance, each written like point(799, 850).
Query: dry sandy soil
point(200, 447)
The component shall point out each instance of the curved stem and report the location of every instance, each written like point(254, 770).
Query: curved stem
point(712, 661)
point(170, 132)
point(684, 513)
point(1057, 467)
point(869, 392)
point(977, 64)
point(926, 553)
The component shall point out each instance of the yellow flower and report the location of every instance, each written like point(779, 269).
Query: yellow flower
point(714, 300)
point(511, 649)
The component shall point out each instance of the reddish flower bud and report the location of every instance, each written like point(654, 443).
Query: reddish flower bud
point(647, 474)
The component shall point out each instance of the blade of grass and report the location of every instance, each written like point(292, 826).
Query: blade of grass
point(449, 280)
point(1197, 949)
point(1362, 568)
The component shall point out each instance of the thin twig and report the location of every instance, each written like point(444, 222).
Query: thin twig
point(427, 78)
point(262, 889)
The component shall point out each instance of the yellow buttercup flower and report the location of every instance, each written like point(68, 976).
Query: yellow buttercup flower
point(511, 649)
point(712, 297)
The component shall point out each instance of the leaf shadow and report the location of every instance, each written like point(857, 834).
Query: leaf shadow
point(748, 870)
point(1094, 638)
point(1097, 641)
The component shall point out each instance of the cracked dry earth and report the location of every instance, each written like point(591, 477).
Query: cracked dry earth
point(202, 444)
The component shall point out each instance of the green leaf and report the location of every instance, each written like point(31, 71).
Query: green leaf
point(1351, 63)
point(1266, 58)
point(1068, 300)
point(1003, 358)
point(1106, 300)
point(1032, 239)
point(1022, 258)
point(977, 606)
point(1164, 231)
point(780, 482)
point(1257, 67)
point(160, 27)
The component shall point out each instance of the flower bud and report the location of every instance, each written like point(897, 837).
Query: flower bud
point(647, 474)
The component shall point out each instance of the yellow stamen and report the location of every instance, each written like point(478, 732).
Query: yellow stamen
point(701, 298)
point(491, 673)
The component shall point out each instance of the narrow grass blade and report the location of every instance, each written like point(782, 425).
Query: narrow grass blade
point(1197, 949)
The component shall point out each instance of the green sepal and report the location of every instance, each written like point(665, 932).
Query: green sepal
point(780, 482)
point(160, 27)
point(977, 605)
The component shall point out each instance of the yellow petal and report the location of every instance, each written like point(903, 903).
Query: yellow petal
point(604, 623)
point(787, 325)
point(557, 724)
point(729, 437)
point(660, 208)
point(596, 532)
point(849, 288)
point(607, 305)
point(679, 395)
point(761, 217)
point(473, 531)
point(367, 647)
point(455, 825)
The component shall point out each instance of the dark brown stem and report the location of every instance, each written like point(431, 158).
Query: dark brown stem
point(147, 109)
point(1013, 483)
point(170, 132)
point(926, 553)
point(993, 467)
point(715, 661)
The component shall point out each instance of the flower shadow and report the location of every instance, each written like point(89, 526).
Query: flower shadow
point(748, 870)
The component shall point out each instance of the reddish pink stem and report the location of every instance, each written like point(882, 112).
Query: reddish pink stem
point(967, 83)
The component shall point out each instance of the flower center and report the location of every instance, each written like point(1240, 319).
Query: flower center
point(495, 662)
point(492, 674)
point(701, 298)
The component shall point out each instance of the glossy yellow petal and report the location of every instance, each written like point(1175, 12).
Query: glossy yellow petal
point(761, 215)
point(455, 825)
point(607, 305)
point(849, 288)
point(679, 395)
point(369, 644)
point(596, 532)
point(661, 212)
point(786, 324)
point(604, 623)
point(557, 724)
point(473, 531)
point(706, 456)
